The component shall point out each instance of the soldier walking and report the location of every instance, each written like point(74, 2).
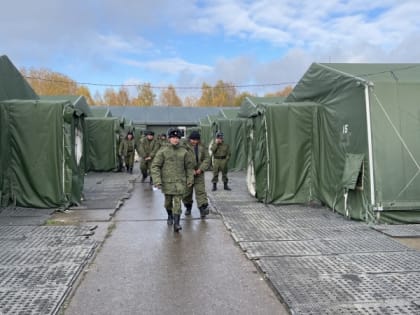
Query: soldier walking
point(126, 151)
point(173, 172)
point(147, 150)
point(201, 160)
point(221, 156)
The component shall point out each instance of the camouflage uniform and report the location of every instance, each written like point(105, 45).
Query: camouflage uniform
point(221, 156)
point(173, 170)
point(126, 152)
point(147, 148)
point(201, 162)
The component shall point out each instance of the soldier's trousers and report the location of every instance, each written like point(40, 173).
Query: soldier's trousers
point(173, 203)
point(145, 166)
point(220, 166)
point(199, 187)
point(129, 160)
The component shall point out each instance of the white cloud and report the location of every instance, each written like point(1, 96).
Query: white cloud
point(169, 66)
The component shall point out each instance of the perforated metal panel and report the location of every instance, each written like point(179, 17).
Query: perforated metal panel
point(403, 230)
point(31, 300)
point(38, 265)
point(382, 308)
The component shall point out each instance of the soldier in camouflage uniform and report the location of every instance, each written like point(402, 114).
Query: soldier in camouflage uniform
point(221, 155)
point(201, 160)
point(126, 151)
point(163, 140)
point(147, 149)
point(173, 172)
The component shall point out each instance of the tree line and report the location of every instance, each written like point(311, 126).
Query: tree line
point(47, 82)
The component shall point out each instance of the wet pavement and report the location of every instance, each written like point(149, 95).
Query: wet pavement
point(145, 268)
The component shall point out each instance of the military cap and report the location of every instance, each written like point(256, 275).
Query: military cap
point(219, 135)
point(195, 135)
point(149, 133)
point(174, 132)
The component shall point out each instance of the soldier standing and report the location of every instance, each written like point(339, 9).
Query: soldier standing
point(173, 172)
point(221, 156)
point(146, 150)
point(126, 151)
point(163, 141)
point(201, 160)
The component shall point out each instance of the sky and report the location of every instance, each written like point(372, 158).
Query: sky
point(267, 44)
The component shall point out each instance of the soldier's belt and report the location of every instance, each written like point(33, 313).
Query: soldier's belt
point(220, 157)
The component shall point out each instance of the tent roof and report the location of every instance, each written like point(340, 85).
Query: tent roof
point(12, 84)
point(249, 104)
point(78, 102)
point(378, 72)
point(229, 113)
point(160, 115)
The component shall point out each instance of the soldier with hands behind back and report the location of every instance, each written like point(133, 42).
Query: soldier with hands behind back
point(173, 172)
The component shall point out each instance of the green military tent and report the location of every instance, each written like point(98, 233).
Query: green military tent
point(103, 135)
point(12, 84)
point(366, 152)
point(258, 175)
point(39, 153)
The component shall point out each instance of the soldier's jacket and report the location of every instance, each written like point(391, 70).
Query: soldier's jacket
point(173, 169)
point(164, 142)
point(147, 148)
point(126, 147)
point(203, 162)
point(220, 150)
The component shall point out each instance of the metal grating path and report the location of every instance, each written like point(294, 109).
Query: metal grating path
point(403, 230)
point(321, 263)
point(38, 266)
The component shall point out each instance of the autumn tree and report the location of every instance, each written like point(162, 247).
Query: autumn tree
point(240, 97)
point(206, 98)
point(169, 97)
point(223, 94)
point(145, 96)
point(84, 91)
point(285, 92)
point(190, 101)
point(98, 99)
point(47, 82)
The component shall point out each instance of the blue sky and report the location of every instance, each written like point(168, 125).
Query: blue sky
point(186, 42)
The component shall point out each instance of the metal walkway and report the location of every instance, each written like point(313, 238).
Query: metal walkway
point(319, 262)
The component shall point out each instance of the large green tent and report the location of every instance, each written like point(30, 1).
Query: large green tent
point(103, 135)
point(12, 84)
point(40, 154)
point(369, 163)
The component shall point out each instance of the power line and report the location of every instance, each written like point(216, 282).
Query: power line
point(226, 86)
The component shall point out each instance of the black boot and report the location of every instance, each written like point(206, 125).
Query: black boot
point(214, 187)
point(188, 208)
point(204, 210)
point(177, 226)
point(170, 220)
point(226, 187)
point(144, 177)
point(131, 170)
point(151, 180)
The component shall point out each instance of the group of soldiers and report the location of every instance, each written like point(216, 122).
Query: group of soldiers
point(177, 168)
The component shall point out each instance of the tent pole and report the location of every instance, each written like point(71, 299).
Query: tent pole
point(370, 150)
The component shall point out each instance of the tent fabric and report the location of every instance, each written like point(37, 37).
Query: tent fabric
point(352, 169)
point(12, 83)
point(102, 138)
point(389, 93)
point(38, 161)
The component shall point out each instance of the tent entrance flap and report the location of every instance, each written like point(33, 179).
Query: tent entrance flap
point(353, 172)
